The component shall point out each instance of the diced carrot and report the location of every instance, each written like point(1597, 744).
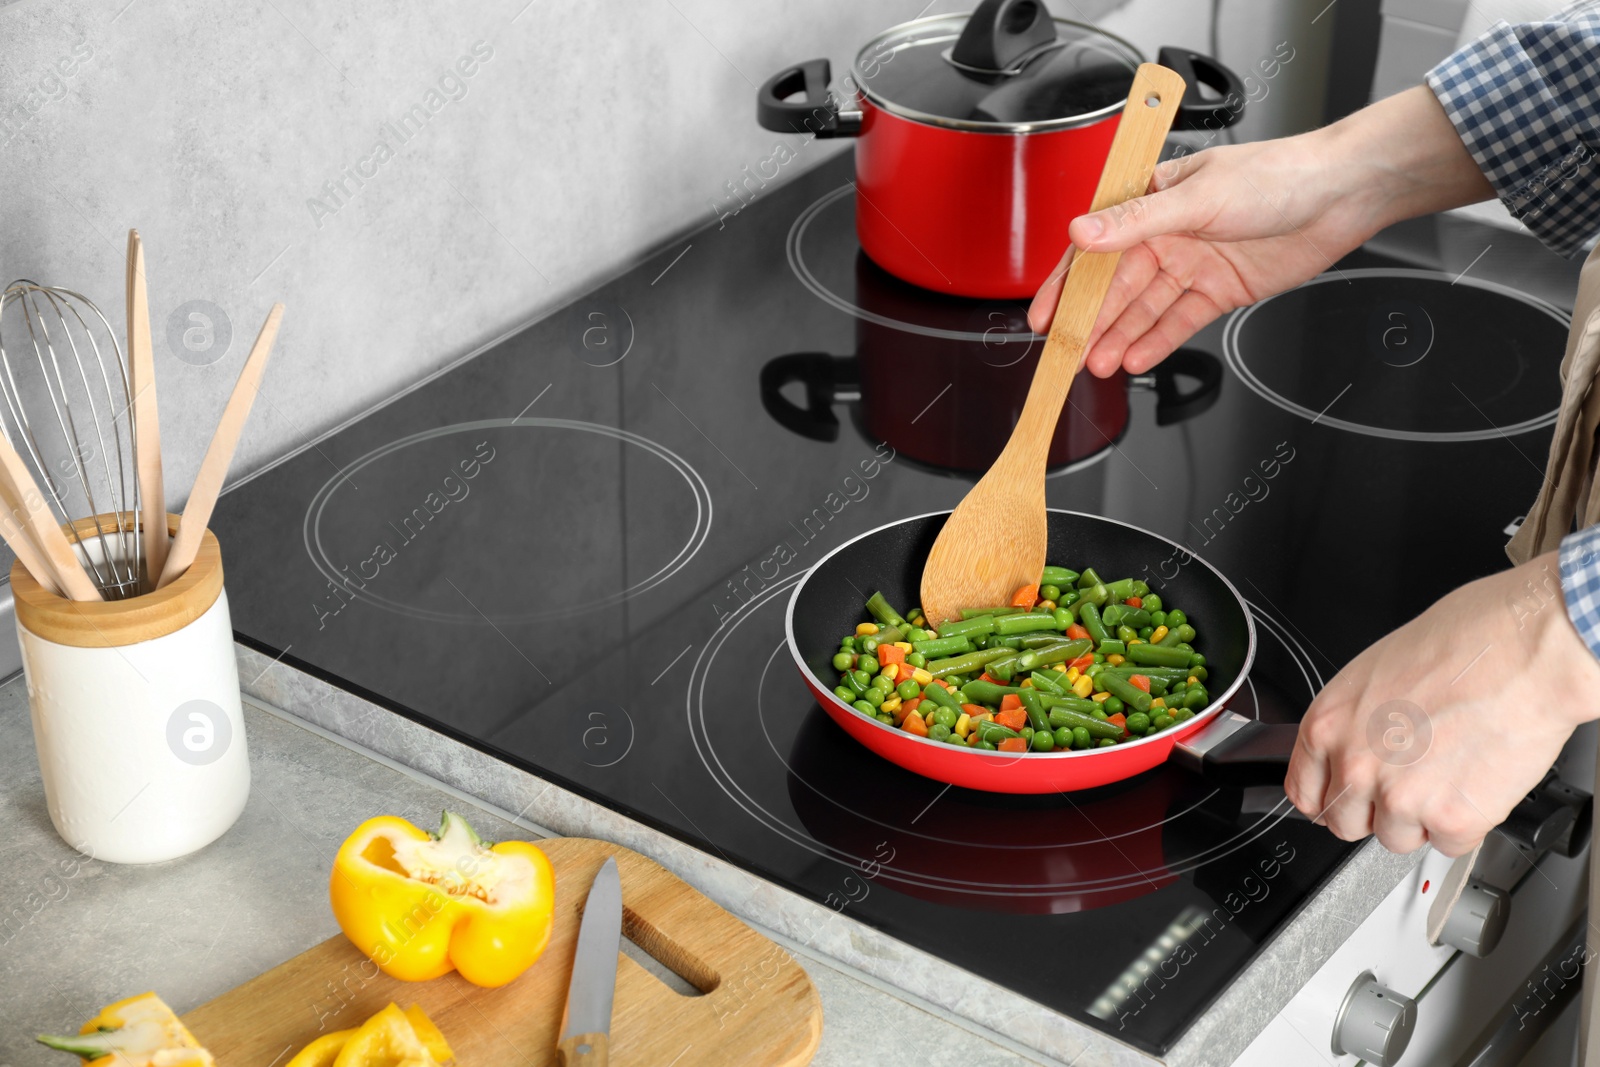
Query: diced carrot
point(1118, 719)
point(941, 681)
point(975, 710)
point(984, 677)
point(1025, 596)
point(906, 708)
point(1139, 681)
point(1077, 633)
point(913, 724)
point(1134, 602)
point(972, 739)
point(1012, 718)
point(888, 654)
point(1009, 701)
point(1013, 744)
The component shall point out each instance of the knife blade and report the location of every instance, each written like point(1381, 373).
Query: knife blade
point(586, 1023)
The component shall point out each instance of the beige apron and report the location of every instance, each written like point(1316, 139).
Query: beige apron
point(1568, 494)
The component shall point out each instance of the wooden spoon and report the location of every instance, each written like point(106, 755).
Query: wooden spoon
point(146, 423)
point(994, 543)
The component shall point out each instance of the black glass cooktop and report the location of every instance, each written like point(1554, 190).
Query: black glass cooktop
point(575, 551)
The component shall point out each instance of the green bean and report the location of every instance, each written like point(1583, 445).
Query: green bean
point(1126, 691)
point(994, 733)
point(1032, 622)
point(1089, 615)
point(1013, 641)
point(1034, 707)
point(878, 607)
point(1159, 655)
point(970, 661)
point(973, 613)
point(943, 646)
point(942, 697)
point(1170, 674)
point(1060, 576)
point(1112, 648)
point(973, 627)
point(1096, 594)
point(1120, 590)
point(986, 692)
point(1045, 682)
point(1044, 657)
point(1003, 668)
point(1089, 578)
point(1174, 635)
point(1078, 704)
point(1074, 721)
point(855, 683)
point(1041, 640)
point(1138, 618)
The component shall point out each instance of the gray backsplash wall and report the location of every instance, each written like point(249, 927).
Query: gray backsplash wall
point(411, 179)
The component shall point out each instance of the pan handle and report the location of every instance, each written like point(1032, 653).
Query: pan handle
point(827, 380)
point(1237, 752)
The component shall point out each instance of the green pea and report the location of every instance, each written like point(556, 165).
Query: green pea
point(865, 708)
point(843, 661)
point(946, 717)
point(1198, 673)
point(886, 718)
point(917, 659)
point(1027, 733)
point(1152, 603)
point(1043, 741)
point(847, 645)
point(1064, 737)
point(908, 690)
point(1145, 632)
point(1100, 712)
point(1197, 660)
point(1126, 634)
point(988, 745)
point(1064, 617)
point(938, 731)
point(1112, 705)
point(1158, 618)
point(1141, 588)
point(1049, 592)
point(1196, 697)
point(1081, 738)
point(1106, 742)
point(1138, 722)
point(883, 683)
point(1182, 715)
point(1160, 722)
point(864, 678)
point(1176, 618)
point(956, 681)
point(873, 696)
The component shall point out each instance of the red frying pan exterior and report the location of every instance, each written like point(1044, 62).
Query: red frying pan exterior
point(824, 608)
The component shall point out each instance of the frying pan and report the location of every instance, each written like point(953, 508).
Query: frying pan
point(1227, 749)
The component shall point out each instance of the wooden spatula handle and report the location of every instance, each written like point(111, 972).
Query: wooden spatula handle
point(585, 1050)
point(1152, 104)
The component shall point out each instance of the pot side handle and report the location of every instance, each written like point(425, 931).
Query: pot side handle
point(1174, 403)
point(825, 378)
point(815, 112)
point(1197, 69)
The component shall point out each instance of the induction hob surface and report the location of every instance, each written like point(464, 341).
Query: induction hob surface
point(574, 550)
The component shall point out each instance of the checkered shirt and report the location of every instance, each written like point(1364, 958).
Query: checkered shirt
point(1526, 101)
point(1580, 583)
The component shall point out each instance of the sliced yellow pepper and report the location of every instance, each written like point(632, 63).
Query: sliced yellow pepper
point(388, 1039)
point(140, 1031)
point(422, 905)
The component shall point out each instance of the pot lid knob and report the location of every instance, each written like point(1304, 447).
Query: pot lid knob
point(1001, 33)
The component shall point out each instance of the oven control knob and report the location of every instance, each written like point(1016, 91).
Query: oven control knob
point(1374, 1023)
point(1478, 919)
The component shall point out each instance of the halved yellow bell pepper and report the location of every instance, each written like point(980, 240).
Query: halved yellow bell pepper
point(140, 1031)
point(421, 905)
point(391, 1038)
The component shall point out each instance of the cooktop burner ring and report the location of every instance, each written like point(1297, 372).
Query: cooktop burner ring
point(794, 246)
point(703, 732)
point(1234, 353)
point(696, 540)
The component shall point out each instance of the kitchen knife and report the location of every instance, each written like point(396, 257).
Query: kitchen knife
point(586, 1024)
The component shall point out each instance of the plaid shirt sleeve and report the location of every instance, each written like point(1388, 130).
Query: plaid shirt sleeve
point(1580, 583)
point(1526, 101)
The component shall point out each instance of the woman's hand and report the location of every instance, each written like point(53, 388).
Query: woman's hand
point(1437, 731)
point(1231, 225)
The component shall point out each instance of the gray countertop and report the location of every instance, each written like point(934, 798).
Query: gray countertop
point(76, 934)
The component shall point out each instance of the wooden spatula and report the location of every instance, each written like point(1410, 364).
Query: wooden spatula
point(219, 453)
point(995, 541)
point(146, 423)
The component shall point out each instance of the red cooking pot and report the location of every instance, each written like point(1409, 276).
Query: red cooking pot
point(981, 137)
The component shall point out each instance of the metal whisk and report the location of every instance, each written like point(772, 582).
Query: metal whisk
point(57, 349)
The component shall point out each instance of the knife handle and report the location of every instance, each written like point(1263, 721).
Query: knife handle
point(585, 1050)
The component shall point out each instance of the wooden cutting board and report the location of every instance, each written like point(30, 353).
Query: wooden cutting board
point(757, 1007)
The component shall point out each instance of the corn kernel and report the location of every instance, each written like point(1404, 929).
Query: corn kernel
point(1158, 702)
point(1160, 632)
point(963, 725)
point(904, 646)
point(1046, 605)
point(921, 677)
point(1073, 674)
point(1135, 641)
point(866, 629)
point(1193, 679)
point(1026, 683)
point(1083, 686)
point(892, 704)
point(1062, 667)
point(891, 671)
point(1101, 697)
point(1115, 660)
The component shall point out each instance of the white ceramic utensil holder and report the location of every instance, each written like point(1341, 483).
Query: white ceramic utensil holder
point(136, 712)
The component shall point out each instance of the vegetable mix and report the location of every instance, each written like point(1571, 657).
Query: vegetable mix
point(1074, 662)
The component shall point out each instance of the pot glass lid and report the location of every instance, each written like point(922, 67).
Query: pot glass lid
point(1008, 66)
